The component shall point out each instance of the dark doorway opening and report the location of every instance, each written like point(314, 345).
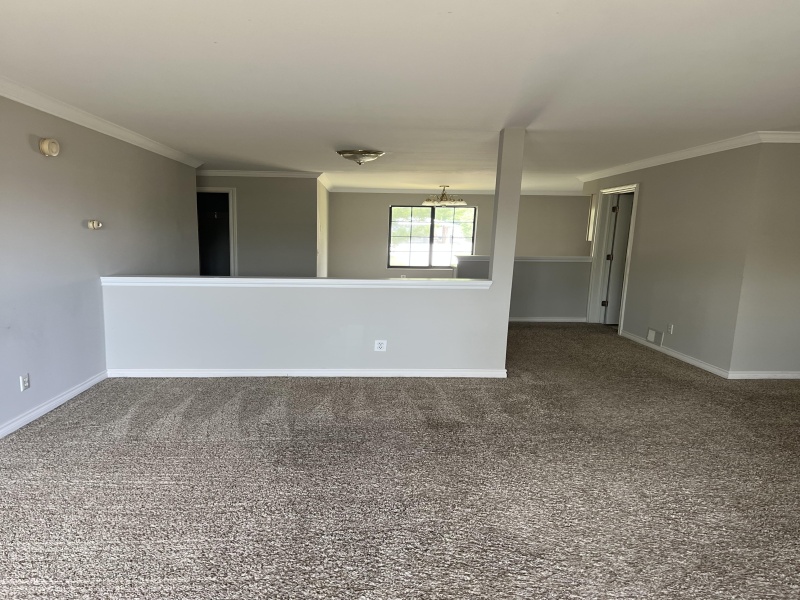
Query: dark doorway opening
point(214, 233)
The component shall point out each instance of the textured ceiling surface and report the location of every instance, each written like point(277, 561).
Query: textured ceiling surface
point(259, 85)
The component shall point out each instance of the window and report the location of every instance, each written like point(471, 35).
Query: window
point(430, 236)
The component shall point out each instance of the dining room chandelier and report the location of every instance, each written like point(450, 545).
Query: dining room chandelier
point(444, 199)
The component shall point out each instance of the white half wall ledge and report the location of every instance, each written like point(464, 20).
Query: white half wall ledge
point(547, 319)
point(29, 97)
point(40, 410)
point(573, 259)
point(451, 373)
point(300, 282)
point(748, 139)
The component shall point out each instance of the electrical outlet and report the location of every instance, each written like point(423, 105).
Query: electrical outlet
point(380, 345)
point(24, 382)
point(670, 329)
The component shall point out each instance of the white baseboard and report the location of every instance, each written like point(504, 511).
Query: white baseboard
point(46, 407)
point(486, 373)
point(764, 375)
point(675, 354)
point(548, 319)
point(711, 368)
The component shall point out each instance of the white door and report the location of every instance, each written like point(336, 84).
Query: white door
point(622, 209)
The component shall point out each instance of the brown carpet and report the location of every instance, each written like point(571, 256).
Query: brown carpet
point(632, 477)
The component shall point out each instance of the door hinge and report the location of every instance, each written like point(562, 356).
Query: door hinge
point(609, 257)
point(614, 208)
point(604, 303)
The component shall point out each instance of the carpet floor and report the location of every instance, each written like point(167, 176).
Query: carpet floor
point(598, 469)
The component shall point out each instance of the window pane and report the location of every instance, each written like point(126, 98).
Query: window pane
point(400, 243)
point(465, 214)
point(462, 247)
point(444, 259)
point(420, 214)
point(398, 259)
point(419, 259)
point(444, 213)
point(413, 227)
point(421, 230)
point(401, 213)
point(400, 230)
point(463, 230)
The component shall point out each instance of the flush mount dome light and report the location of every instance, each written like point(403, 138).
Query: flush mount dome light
point(360, 156)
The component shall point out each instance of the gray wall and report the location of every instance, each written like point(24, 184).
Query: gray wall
point(51, 312)
point(689, 250)
point(541, 290)
point(768, 324)
point(550, 291)
point(277, 224)
point(323, 209)
point(547, 226)
point(359, 234)
point(553, 226)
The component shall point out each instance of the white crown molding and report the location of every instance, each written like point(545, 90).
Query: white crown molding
point(405, 191)
point(37, 411)
point(570, 193)
point(483, 373)
point(298, 282)
point(779, 137)
point(427, 191)
point(25, 95)
point(748, 139)
point(224, 173)
point(325, 181)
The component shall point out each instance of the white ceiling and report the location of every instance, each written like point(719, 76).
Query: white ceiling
point(261, 85)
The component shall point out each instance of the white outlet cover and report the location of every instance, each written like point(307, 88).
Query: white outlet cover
point(651, 335)
point(380, 345)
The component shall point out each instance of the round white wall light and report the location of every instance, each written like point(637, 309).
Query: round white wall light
point(49, 146)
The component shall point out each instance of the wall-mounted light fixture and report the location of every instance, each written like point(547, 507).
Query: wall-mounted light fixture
point(94, 224)
point(49, 146)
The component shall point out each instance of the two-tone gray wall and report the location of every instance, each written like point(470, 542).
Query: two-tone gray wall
point(711, 245)
point(276, 224)
point(767, 335)
point(553, 226)
point(359, 230)
point(51, 311)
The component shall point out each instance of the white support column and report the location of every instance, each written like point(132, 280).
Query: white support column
point(506, 212)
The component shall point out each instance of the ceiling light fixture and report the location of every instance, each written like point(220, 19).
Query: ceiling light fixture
point(360, 156)
point(444, 199)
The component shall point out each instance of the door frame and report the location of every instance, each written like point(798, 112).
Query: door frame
point(232, 228)
point(602, 238)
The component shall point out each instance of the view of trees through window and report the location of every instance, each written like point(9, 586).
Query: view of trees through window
point(428, 236)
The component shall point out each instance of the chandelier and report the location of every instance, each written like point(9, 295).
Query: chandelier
point(360, 156)
point(444, 199)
